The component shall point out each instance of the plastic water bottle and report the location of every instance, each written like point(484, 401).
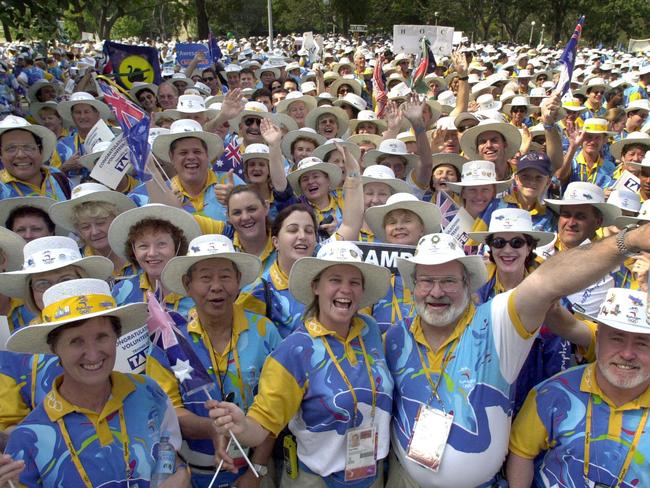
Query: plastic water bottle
point(165, 462)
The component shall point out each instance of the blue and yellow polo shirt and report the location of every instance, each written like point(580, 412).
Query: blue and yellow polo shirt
point(12, 187)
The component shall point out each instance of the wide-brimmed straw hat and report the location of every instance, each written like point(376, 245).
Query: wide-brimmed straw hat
point(349, 80)
point(429, 213)
point(622, 309)
point(62, 213)
point(47, 137)
point(118, 232)
point(65, 108)
point(433, 249)
point(333, 253)
point(391, 147)
point(252, 109)
point(479, 173)
point(313, 163)
point(329, 145)
point(255, 151)
point(296, 96)
point(378, 173)
point(509, 132)
point(303, 133)
point(632, 138)
point(643, 217)
point(11, 244)
point(182, 129)
point(513, 220)
point(48, 254)
point(11, 204)
point(585, 193)
point(341, 118)
point(74, 301)
point(207, 247)
point(192, 104)
point(368, 116)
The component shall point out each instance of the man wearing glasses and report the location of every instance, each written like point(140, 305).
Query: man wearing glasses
point(595, 91)
point(210, 78)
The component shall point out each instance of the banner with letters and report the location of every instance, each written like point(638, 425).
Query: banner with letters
point(385, 255)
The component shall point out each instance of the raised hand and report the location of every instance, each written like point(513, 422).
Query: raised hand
point(222, 190)
point(271, 133)
point(233, 104)
point(551, 108)
point(394, 117)
point(459, 63)
point(412, 109)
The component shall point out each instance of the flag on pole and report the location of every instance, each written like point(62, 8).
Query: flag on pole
point(133, 63)
point(568, 59)
point(426, 64)
point(379, 88)
point(133, 121)
point(213, 48)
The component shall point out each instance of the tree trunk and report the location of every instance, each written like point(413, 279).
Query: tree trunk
point(7, 31)
point(202, 20)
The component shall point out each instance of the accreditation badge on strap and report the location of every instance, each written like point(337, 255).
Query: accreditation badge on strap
point(430, 434)
point(361, 453)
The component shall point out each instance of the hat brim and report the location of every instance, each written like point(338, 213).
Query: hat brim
point(12, 245)
point(162, 144)
point(305, 270)
point(542, 238)
point(33, 339)
point(249, 267)
point(308, 100)
point(65, 109)
point(121, 226)
point(341, 118)
point(429, 213)
point(373, 155)
point(46, 136)
point(450, 159)
point(616, 148)
point(324, 150)
point(474, 265)
point(381, 124)
point(245, 113)
point(397, 186)
point(294, 135)
point(509, 132)
point(609, 212)
point(284, 122)
point(332, 171)
point(624, 220)
point(62, 212)
point(457, 187)
point(334, 87)
point(615, 324)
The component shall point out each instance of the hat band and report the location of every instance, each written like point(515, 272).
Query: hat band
point(598, 127)
point(77, 307)
point(48, 257)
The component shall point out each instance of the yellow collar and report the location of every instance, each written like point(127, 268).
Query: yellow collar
point(589, 384)
point(580, 159)
point(7, 177)
point(239, 322)
point(279, 278)
point(178, 184)
point(145, 285)
point(316, 329)
point(461, 325)
point(266, 252)
point(57, 407)
point(515, 198)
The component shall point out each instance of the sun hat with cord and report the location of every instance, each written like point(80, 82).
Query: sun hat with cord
point(509, 132)
point(479, 173)
point(48, 254)
point(74, 301)
point(204, 247)
point(433, 249)
point(182, 129)
point(11, 245)
point(585, 193)
point(312, 163)
point(120, 228)
point(341, 118)
point(378, 173)
point(333, 253)
point(513, 220)
point(47, 137)
point(643, 217)
point(390, 147)
point(62, 213)
point(622, 309)
point(65, 108)
point(302, 133)
point(429, 213)
point(640, 138)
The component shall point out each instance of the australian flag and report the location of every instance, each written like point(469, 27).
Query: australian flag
point(568, 59)
point(133, 121)
point(448, 208)
point(426, 65)
point(379, 87)
point(213, 48)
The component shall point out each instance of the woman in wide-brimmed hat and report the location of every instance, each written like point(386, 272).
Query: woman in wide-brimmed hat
point(335, 286)
point(73, 429)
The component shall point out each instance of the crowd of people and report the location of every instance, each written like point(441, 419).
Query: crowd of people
point(515, 353)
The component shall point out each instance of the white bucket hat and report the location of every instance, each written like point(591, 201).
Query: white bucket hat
point(48, 254)
point(391, 147)
point(333, 253)
point(296, 96)
point(451, 159)
point(62, 213)
point(254, 151)
point(303, 133)
point(349, 80)
point(312, 163)
point(519, 101)
point(182, 129)
point(597, 126)
point(487, 102)
point(584, 193)
point(182, 77)
point(509, 132)
point(341, 118)
point(360, 139)
point(12, 122)
point(256, 109)
point(207, 247)
point(641, 104)
point(429, 213)
point(642, 218)
point(573, 105)
point(355, 101)
point(368, 116)
point(626, 200)
point(479, 173)
point(37, 85)
point(513, 220)
point(74, 301)
point(328, 146)
point(436, 249)
point(118, 232)
point(65, 108)
point(138, 86)
point(623, 309)
point(378, 173)
point(11, 244)
point(645, 162)
point(192, 104)
point(306, 86)
point(447, 101)
point(632, 138)
point(41, 203)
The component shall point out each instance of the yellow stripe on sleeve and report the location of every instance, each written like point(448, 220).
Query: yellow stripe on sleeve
point(279, 397)
point(210, 226)
point(516, 320)
point(12, 408)
point(528, 436)
point(165, 379)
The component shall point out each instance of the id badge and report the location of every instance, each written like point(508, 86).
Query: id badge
point(236, 455)
point(430, 434)
point(361, 453)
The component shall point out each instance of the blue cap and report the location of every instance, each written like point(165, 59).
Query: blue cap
point(535, 160)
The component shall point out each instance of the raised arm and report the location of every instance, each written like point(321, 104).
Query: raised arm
point(412, 110)
point(460, 65)
point(576, 136)
point(550, 109)
point(353, 208)
point(272, 135)
point(233, 104)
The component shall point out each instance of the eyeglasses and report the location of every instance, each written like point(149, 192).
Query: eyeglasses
point(500, 242)
point(208, 79)
point(252, 120)
point(448, 284)
point(41, 286)
point(13, 149)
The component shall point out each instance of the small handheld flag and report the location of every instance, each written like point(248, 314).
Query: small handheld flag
point(426, 65)
point(568, 59)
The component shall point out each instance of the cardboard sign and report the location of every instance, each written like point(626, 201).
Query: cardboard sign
point(99, 132)
point(457, 38)
point(185, 52)
point(460, 226)
point(358, 28)
point(406, 38)
point(113, 164)
point(385, 254)
point(629, 182)
point(132, 351)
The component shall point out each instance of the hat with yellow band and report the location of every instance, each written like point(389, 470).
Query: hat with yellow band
point(74, 301)
point(597, 126)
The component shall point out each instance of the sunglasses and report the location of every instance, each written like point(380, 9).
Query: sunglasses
point(210, 78)
point(251, 121)
point(518, 109)
point(500, 242)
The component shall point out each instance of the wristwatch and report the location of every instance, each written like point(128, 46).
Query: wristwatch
point(261, 469)
point(620, 242)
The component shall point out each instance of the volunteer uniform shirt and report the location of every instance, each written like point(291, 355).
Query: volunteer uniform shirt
point(19, 315)
point(301, 385)
point(485, 354)
point(397, 305)
point(553, 422)
point(50, 186)
point(601, 173)
point(236, 370)
point(97, 438)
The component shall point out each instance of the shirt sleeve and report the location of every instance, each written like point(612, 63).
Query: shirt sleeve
point(12, 407)
point(210, 226)
point(528, 436)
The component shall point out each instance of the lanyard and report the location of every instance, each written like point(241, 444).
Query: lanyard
point(196, 205)
point(215, 363)
point(373, 387)
point(630, 452)
point(445, 361)
point(396, 310)
point(75, 456)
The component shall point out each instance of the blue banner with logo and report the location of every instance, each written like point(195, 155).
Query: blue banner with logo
point(185, 52)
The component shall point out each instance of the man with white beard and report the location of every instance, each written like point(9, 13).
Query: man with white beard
point(455, 365)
